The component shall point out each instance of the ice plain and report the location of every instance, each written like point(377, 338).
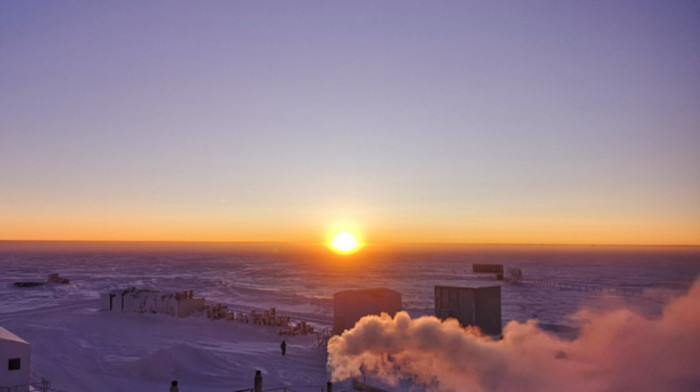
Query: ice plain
point(79, 348)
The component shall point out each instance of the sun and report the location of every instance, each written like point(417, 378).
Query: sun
point(345, 242)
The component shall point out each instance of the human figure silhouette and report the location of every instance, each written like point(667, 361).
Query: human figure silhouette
point(283, 346)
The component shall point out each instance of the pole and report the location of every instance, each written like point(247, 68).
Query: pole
point(258, 381)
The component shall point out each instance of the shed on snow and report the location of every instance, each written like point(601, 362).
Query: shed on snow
point(477, 306)
point(15, 372)
point(350, 306)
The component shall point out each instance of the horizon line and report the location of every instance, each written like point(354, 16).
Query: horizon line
point(386, 243)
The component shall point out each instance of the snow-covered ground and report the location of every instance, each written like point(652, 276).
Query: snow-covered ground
point(79, 348)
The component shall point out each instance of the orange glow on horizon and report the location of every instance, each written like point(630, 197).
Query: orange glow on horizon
point(89, 225)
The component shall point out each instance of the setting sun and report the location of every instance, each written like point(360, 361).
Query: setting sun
point(345, 242)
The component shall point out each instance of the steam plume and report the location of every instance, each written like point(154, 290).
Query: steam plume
point(615, 351)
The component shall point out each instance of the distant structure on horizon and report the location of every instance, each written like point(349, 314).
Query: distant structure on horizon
point(513, 274)
point(477, 306)
point(15, 369)
point(350, 306)
point(53, 278)
point(133, 300)
point(488, 268)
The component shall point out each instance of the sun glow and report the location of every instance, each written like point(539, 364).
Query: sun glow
point(344, 242)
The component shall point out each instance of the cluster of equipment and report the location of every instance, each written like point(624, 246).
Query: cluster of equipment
point(268, 318)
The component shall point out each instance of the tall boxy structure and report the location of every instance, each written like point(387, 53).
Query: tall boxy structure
point(350, 306)
point(478, 306)
point(15, 370)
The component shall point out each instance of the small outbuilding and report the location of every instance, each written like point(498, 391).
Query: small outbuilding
point(15, 370)
point(476, 306)
point(350, 306)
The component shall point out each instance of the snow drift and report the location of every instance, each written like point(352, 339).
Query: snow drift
point(617, 350)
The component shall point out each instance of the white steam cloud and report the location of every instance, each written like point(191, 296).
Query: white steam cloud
point(615, 351)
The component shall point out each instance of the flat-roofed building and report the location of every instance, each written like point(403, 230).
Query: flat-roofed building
point(133, 300)
point(476, 306)
point(350, 306)
point(488, 268)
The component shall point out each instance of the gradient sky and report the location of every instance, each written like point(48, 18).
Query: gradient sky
point(492, 122)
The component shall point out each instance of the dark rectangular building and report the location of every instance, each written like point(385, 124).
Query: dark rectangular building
point(477, 306)
point(488, 268)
